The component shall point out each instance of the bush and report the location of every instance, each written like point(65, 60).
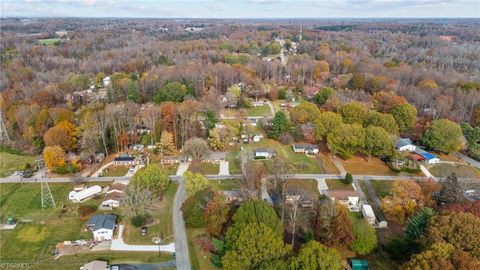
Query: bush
point(67, 168)
point(86, 210)
point(138, 221)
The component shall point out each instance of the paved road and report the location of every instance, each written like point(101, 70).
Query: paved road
point(181, 245)
point(119, 244)
point(469, 160)
point(151, 266)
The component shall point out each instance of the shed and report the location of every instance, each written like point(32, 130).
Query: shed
point(358, 264)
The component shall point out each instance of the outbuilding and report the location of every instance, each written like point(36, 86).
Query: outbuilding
point(78, 196)
point(429, 157)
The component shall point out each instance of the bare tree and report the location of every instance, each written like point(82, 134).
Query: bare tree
point(293, 200)
point(253, 175)
point(279, 175)
point(137, 200)
point(453, 190)
point(196, 148)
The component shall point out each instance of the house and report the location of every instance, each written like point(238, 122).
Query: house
point(405, 144)
point(264, 153)
point(348, 198)
point(126, 160)
point(233, 196)
point(257, 138)
point(368, 214)
point(95, 265)
point(78, 196)
point(429, 158)
point(307, 148)
point(102, 226)
point(114, 195)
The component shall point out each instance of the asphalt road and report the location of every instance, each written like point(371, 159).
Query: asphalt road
point(181, 245)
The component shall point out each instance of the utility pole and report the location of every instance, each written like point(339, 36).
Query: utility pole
point(47, 198)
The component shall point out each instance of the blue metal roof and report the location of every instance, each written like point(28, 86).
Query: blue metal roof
point(425, 154)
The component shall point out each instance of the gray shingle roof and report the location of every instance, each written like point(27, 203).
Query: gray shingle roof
point(102, 222)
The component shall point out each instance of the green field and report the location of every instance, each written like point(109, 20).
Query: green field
point(170, 169)
point(300, 162)
point(205, 168)
point(162, 224)
point(9, 163)
point(309, 185)
point(113, 171)
point(259, 111)
point(48, 41)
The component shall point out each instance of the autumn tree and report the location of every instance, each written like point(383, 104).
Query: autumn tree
point(465, 207)
point(153, 178)
point(171, 91)
point(166, 145)
point(354, 113)
point(322, 95)
point(331, 225)
point(64, 134)
point(253, 174)
point(304, 112)
point(194, 207)
point(428, 84)
point(325, 123)
point(314, 255)
point(54, 157)
point(365, 241)
point(196, 148)
point(216, 214)
point(383, 120)
point(378, 142)
point(443, 135)
point(472, 136)
point(452, 190)
point(279, 125)
point(404, 199)
point(194, 182)
point(346, 140)
point(217, 139)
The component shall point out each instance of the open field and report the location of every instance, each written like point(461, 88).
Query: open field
point(445, 169)
point(115, 171)
point(300, 162)
point(226, 184)
point(9, 163)
point(205, 168)
point(161, 225)
point(38, 231)
point(335, 184)
point(48, 41)
point(258, 111)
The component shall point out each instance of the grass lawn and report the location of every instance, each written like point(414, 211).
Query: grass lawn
point(381, 187)
point(198, 258)
point(115, 257)
point(259, 111)
point(336, 184)
point(170, 169)
point(115, 171)
point(445, 169)
point(308, 184)
point(162, 221)
point(358, 165)
point(233, 163)
point(48, 41)
point(204, 168)
point(9, 163)
point(226, 184)
point(38, 231)
point(300, 162)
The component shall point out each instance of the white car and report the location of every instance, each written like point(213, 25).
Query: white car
point(114, 267)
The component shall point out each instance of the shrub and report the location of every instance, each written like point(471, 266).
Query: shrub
point(348, 179)
point(138, 221)
point(66, 168)
point(86, 210)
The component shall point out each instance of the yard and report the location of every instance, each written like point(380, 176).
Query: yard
point(205, 168)
point(170, 169)
point(445, 169)
point(381, 187)
point(259, 110)
point(233, 163)
point(12, 162)
point(115, 171)
point(309, 185)
point(335, 184)
point(38, 231)
point(300, 162)
point(226, 184)
point(162, 224)
point(358, 165)
point(199, 258)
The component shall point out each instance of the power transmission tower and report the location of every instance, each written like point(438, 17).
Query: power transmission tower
point(47, 197)
point(3, 130)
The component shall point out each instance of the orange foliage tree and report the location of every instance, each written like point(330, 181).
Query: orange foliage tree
point(404, 199)
point(54, 157)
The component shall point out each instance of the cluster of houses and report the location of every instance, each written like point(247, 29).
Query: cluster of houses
point(113, 195)
point(303, 148)
point(416, 153)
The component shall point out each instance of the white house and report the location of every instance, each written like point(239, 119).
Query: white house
point(348, 198)
point(106, 81)
point(102, 227)
point(405, 144)
point(78, 196)
point(114, 196)
point(307, 148)
point(126, 160)
point(368, 214)
point(264, 153)
point(138, 147)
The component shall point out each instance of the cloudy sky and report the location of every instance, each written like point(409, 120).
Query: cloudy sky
point(241, 8)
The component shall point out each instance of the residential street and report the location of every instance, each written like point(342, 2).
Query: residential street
point(181, 245)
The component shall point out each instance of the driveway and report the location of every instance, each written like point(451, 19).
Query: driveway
point(181, 252)
point(182, 168)
point(119, 244)
point(224, 168)
point(97, 172)
point(427, 173)
point(322, 185)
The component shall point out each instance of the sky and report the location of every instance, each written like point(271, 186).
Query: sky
point(242, 8)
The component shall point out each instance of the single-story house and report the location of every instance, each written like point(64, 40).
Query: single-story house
point(233, 196)
point(215, 157)
point(102, 226)
point(264, 153)
point(169, 160)
point(429, 158)
point(114, 195)
point(405, 144)
point(348, 198)
point(306, 148)
point(95, 265)
point(358, 264)
point(126, 160)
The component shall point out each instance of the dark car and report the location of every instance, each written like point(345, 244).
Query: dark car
point(143, 231)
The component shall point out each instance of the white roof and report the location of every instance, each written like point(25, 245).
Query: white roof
point(367, 210)
point(85, 193)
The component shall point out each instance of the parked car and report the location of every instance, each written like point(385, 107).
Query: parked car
point(114, 267)
point(143, 231)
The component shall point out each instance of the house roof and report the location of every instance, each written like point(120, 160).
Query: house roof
point(114, 196)
point(265, 150)
point(342, 194)
point(124, 158)
point(404, 142)
point(117, 187)
point(306, 146)
point(425, 154)
point(102, 222)
point(95, 265)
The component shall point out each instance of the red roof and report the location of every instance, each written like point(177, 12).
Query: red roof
point(417, 157)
